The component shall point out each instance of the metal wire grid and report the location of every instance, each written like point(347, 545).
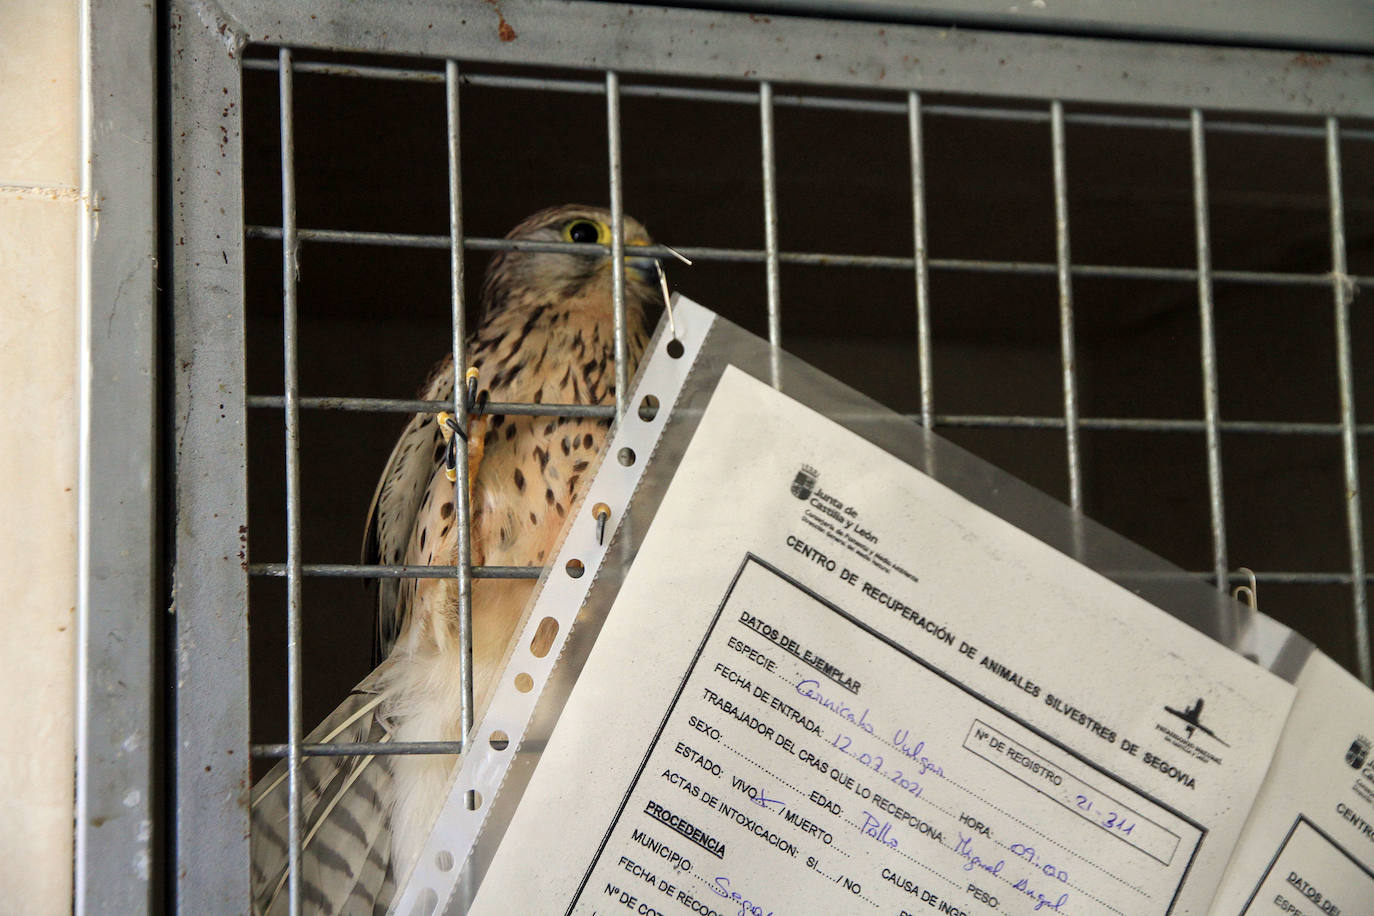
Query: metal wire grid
point(1063, 269)
point(920, 264)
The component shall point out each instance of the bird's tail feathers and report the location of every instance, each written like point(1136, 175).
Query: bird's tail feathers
point(346, 837)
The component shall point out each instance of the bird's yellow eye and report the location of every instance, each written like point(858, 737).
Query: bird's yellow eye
point(585, 230)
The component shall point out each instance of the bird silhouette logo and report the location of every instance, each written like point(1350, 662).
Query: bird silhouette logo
point(1193, 716)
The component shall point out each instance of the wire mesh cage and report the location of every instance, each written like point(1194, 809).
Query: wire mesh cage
point(1126, 352)
point(1147, 307)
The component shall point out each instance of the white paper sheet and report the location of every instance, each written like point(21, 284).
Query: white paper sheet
point(830, 684)
point(1308, 848)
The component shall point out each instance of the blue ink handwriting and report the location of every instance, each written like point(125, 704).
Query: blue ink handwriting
point(971, 861)
point(1041, 901)
point(1029, 854)
point(878, 830)
point(746, 907)
point(810, 689)
point(914, 752)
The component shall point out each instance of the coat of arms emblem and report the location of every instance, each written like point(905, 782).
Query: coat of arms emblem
point(804, 482)
point(1357, 752)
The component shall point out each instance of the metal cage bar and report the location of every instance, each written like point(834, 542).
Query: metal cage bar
point(1008, 421)
point(462, 496)
point(412, 405)
point(290, 337)
point(1343, 292)
point(1069, 367)
point(361, 571)
point(921, 259)
point(1211, 412)
point(770, 223)
point(794, 100)
point(361, 748)
point(622, 352)
point(394, 571)
point(824, 259)
point(1257, 427)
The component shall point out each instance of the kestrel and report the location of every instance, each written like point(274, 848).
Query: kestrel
point(545, 336)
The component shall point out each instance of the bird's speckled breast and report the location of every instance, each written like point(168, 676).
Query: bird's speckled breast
point(532, 466)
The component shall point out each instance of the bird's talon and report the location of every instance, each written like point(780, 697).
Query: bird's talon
point(451, 432)
point(451, 460)
point(472, 376)
point(448, 425)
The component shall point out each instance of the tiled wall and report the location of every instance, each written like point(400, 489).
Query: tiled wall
point(39, 209)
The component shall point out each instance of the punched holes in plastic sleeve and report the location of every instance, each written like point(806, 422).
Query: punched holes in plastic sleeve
point(543, 637)
point(482, 771)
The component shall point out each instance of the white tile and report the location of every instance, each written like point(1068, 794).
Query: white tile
point(39, 92)
point(38, 457)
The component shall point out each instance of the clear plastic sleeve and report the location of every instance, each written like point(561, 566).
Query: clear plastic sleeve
point(706, 345)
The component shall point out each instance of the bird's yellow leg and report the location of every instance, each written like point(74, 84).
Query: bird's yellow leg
point(477, 445)
point(478, 424)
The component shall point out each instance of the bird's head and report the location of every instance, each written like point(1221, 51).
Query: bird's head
point(523, 279)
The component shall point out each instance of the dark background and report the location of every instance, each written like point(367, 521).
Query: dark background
point(371, 155)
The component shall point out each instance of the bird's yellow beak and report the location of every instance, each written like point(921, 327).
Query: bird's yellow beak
point(646, 267)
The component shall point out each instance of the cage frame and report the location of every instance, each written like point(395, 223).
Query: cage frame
point(119, 573)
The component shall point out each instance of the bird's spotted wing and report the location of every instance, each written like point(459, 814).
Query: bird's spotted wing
point(396, 506)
